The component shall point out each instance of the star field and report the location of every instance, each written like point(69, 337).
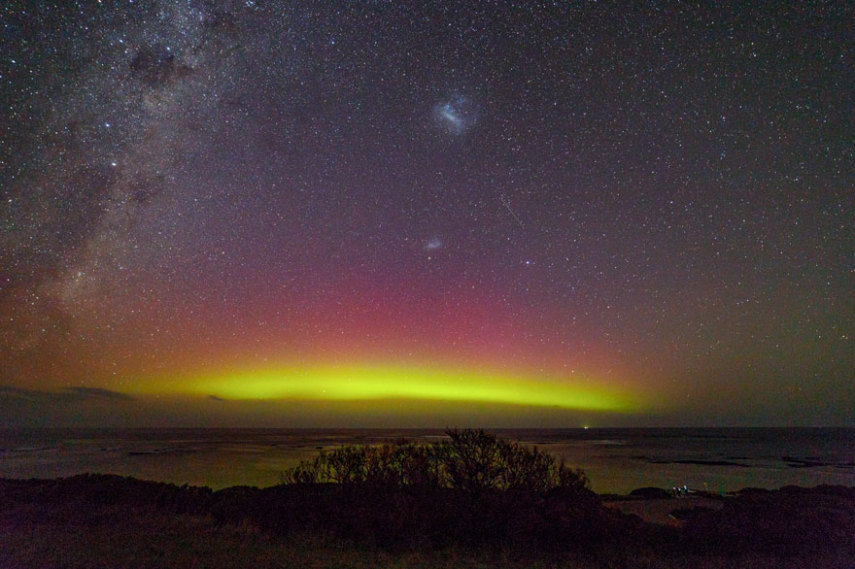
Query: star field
point(650, 205)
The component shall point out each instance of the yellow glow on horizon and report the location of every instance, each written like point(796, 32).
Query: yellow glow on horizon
point(354, 383)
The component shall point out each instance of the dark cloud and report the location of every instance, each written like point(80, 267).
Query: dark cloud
point(94, 393)
point(156, 65)
point(9, 394)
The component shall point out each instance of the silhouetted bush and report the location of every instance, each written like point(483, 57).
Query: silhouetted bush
point(469, 460)
point(471, 488)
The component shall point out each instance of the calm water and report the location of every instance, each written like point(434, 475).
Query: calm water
point(616, 460)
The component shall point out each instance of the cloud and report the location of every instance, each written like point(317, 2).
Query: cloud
point(10, 394)
point(89, 393)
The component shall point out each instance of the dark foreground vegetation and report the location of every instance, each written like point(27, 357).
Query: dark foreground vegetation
point(469, 501)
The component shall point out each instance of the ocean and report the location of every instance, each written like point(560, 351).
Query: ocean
point(615, 460)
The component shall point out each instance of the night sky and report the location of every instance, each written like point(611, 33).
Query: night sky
point(426, 213)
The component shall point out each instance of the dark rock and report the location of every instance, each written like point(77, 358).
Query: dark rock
point(651, 493)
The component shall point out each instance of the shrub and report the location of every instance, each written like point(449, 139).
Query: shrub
point(470, 488)
point(468, 460)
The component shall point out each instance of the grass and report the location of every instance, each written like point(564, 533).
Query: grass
point(112, 537)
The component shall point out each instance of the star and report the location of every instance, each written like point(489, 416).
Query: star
point(189, 187)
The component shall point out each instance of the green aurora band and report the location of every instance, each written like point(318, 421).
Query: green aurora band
point(340, 383)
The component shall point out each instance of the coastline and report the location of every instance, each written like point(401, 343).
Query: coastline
point(67, 516)
point(617, 461)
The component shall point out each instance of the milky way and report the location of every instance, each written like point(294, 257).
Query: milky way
point(654, 205)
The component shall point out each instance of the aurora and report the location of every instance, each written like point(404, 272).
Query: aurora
point(376, 382)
